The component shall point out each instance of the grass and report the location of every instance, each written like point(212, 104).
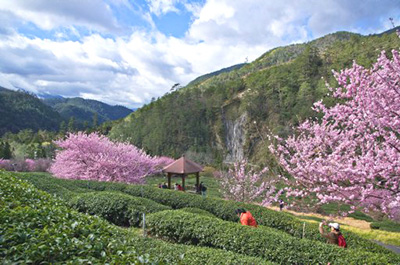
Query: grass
point(206, 177)
point(360, 227)
point(391, 238)
point(332, 208)
point(386, 225)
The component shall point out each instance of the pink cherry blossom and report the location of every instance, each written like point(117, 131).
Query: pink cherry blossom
point(95, 157)
point(351, 155)
point(244, 184)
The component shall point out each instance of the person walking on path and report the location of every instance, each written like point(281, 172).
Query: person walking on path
point(281, 204)
point(203, 189)
point(246, 218)
point(334, 237)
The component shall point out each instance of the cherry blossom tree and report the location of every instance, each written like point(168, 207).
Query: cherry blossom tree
point(352, 154)
point(95, 157)
point(244, 184)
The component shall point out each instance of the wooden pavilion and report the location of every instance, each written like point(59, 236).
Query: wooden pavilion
point(183, 167)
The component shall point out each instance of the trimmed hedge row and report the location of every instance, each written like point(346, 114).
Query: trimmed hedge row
point(118, 208)
point(386, 225)
point(36, 228)
point(185, 254)
point(262, 242)
point(219, 207)
point(62, 188)
point(226, 210)
point(197, 211)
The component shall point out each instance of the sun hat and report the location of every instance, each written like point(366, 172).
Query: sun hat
point(334, 225)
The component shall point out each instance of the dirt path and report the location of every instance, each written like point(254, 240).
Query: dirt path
point(344, 220)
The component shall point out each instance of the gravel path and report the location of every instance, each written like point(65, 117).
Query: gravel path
point(395, 249)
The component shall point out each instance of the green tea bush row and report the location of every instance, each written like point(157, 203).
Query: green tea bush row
point(220, 208)
point(185, 254)
point(59, 187)
point(226, 210)
point(118, 208)
point(263, 242)
point(197, 211)
point(386, 225)
point(36, 228)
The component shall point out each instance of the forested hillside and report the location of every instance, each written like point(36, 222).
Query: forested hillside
point(226, 116)
point(86, 110)
point(20, 110)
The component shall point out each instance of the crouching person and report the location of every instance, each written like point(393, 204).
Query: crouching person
point(246, 218)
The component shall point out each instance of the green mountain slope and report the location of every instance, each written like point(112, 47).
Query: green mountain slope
point(84, 109)
point(20, 110)
point(225, 117)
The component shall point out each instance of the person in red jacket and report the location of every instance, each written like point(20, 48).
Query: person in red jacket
point(246, 218)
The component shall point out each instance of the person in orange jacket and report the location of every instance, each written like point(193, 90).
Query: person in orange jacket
point(246, 218)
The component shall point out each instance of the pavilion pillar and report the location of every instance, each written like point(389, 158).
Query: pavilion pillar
point(169, 180)
point(183, 181)
point(197, 182)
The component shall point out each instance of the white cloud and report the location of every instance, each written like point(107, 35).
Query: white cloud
point(161, 7)
point(48, 15)
point(133, 68)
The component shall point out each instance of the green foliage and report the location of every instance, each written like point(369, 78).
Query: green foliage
point(185, 254)
point(197, 211)
point(92, 111)
point(220, 208)
point(277, 90)
point(5, 150)
point(117, 208)
point(332, 208)
point(21, 110)
point(262, 242)
point(386, 225)
point(159, 130)
point(36, 228)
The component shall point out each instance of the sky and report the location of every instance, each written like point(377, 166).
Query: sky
point(126, 52)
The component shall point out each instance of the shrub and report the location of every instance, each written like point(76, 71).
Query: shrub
point(27, 165)
point(226, 211)
point(36, 228)
point(262, 242)
point(197, 211)
point(117, 208)
point(185, 254)
point(53, 185)
point(387, 225)
point(222, 209)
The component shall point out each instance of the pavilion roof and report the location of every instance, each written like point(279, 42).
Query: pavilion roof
point(183, 166)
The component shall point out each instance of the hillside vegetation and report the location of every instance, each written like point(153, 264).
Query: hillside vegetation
point(225, 116)
point(85, 109)
point(20, 110)
point(211, 230)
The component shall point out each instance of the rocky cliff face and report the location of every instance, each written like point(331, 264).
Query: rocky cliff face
point(235, 138)
point(234, 121)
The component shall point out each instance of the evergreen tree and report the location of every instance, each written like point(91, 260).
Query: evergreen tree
point(71, 124)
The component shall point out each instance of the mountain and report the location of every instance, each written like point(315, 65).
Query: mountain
point(21, 110)
point(226, 116)
point(85, 109)
point(223, 70)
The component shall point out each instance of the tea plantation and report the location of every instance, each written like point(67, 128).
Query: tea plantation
point(88, 222)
